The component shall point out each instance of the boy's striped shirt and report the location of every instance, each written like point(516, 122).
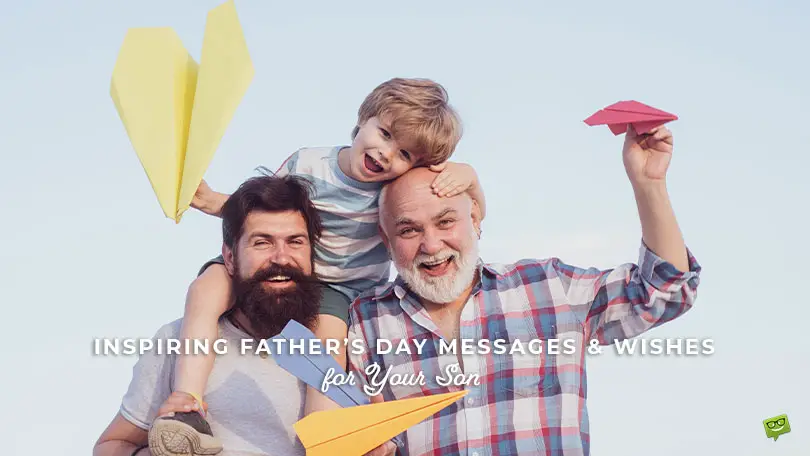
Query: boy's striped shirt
point(351, 256)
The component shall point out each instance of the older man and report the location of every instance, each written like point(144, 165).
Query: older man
point(269, 228)
point(520, 401)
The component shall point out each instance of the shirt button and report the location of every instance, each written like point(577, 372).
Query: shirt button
point(475, 453)
point(471, 401)
point(263, 355)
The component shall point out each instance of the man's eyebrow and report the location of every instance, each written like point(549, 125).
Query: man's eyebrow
point(261, 234)
point(404, 221)
point(445, 212)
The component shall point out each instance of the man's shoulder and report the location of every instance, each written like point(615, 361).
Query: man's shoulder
point(169, 330)
point(524, 269)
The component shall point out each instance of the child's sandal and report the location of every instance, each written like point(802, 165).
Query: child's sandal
point(184, 434)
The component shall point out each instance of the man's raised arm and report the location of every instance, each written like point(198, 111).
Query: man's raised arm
point(624, 302)
point(646, 160)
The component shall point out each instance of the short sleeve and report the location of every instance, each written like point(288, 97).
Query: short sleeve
point(151, 382)
point(287, 167)
point(218, 260)
point(335, 303)
point(624, 302)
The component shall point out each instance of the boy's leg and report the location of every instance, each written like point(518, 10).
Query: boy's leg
point(187, 432)
point(207, 299)
point(333, 322)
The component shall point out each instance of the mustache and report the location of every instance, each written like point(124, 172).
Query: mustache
point(295, 274)
point(268, 311)
point(437, 258)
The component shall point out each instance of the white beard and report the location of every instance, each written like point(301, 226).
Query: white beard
point(449, 287)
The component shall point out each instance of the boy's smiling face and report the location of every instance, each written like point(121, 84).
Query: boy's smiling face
point(375, 155)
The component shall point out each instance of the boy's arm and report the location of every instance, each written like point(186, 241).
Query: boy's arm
point(210, 202)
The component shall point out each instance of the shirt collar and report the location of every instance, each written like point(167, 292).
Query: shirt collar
point(400, 289)
point(340, 175)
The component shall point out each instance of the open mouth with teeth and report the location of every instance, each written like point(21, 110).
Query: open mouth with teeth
point(279, 281)
point(437, 268)
point(372, 165)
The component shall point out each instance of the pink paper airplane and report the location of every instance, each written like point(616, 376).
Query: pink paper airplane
point(619, 115)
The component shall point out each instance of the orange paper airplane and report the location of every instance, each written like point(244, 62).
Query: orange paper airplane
point(354, 431)
point(619, 115)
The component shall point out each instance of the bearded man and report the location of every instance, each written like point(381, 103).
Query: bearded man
point(269, 229)
point(528, 324)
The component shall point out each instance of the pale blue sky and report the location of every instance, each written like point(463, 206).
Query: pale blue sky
point(87, 252)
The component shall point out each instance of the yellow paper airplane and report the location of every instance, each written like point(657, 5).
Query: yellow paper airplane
point(176, 112)
point(354, 431)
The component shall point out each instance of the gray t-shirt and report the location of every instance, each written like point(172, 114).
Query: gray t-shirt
point(252, 402)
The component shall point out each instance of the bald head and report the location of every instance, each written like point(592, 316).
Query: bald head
point(414, 185)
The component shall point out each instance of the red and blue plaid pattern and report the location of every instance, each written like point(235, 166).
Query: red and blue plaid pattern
point(525, 404)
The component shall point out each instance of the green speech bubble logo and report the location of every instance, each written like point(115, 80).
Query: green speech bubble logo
point(776, 426)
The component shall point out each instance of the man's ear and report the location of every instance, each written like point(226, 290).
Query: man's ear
point(475, 213)
point(227, 255)
point(384, 238)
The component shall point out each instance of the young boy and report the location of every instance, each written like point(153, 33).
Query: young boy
point(402, 123)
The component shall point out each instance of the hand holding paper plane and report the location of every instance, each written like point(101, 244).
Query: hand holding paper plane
point(354, 431)
point(176, 112)
point(619, 115)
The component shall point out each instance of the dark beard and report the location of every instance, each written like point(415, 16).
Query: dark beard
point(268, 311)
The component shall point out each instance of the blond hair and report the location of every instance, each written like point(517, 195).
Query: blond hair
point(418, 113)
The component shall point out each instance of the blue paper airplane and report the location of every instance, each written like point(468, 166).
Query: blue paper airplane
point(312, 368)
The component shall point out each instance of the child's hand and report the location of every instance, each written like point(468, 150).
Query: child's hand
point(455, 178)
point(386, 449)
point(438, 168)
point(179, 402)
point(205, 199)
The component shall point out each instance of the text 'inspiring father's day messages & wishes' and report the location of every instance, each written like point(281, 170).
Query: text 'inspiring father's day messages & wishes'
point(377, 378)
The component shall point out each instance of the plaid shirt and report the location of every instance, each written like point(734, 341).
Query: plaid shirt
point(532, 404)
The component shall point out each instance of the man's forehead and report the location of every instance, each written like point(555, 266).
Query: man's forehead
point(424, 206)
point(423, 214)
point(286, 223)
